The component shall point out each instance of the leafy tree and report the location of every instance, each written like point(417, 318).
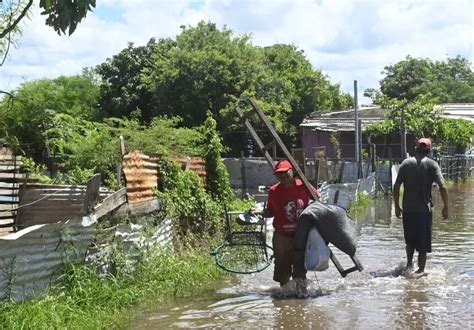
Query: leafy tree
point(423, 119)
point(122, 91)
point(79, 143)
point(453, 81)
point(208, 69)
point(449, 81)
point(37, 102)
point(200, 71)
point(294, 82)
point(64, 15)
point(61, 15)
point(403, 79)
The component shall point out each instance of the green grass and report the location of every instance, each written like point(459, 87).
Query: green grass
point(86, 301)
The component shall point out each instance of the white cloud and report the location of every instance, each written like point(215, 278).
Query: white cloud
point(345, 39)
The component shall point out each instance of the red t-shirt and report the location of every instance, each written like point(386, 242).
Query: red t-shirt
point(287, 205)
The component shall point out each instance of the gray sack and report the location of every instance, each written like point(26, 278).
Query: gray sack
point(332, 222)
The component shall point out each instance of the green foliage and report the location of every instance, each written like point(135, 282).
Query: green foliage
point(457, 131)
point(64, 15)
point(122, 91)
point(241, 204)
point(207, 69)
point(199, 70)
point(35, 104)
point(218, 180)
point(60, 14)
point(422, 119)
point(84, 300)
point(11, 13)
point(162, 136)
point(450, 81)
point(187, 203)
point(35, 171)
point(360, 206)
point(82, 148)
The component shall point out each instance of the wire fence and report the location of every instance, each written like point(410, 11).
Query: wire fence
point(455, 168)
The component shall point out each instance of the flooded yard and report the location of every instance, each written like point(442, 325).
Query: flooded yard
point(373, 298)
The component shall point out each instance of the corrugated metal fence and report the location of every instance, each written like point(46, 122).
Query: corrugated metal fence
point(34, 257)
point(343, 194)
point(142, 174)
point(10, 181)
point(46, 203)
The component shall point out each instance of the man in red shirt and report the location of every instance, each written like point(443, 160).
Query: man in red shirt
point(286, 200)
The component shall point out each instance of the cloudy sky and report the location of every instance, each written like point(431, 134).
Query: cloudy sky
point(347, 39)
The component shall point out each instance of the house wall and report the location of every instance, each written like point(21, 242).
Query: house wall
point(386, 147)
point(312, 139)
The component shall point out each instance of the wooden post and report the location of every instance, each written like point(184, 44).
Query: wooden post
point(242, 173)
point(119, 166)
point(341, 171)
point(92, 193)
point(316, 171)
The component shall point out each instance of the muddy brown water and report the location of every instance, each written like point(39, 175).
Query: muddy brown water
point(373, 298)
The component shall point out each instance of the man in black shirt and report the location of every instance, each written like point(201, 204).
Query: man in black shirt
point(417, 175)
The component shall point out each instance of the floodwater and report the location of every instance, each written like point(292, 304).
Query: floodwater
point(377, 297)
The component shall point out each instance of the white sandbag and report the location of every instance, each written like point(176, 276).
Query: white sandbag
point(317, 253)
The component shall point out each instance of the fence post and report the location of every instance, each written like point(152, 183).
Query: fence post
point(92, 193)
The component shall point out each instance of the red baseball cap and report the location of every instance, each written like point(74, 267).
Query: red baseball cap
point(424, 143)
point(282, 166)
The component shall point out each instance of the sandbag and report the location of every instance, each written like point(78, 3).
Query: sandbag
point(317, 253)
point(332, 222)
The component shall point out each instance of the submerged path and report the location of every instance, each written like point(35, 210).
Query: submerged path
point(378, 297)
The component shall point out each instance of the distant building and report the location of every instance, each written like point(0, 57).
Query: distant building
point(318, 128)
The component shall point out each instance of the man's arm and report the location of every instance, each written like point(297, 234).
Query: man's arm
point(396, 199)
point(444, 196)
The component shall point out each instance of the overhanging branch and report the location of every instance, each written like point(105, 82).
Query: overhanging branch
point(12, 26)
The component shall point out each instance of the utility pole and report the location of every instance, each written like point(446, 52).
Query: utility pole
point(357, 131)
point(403, 133)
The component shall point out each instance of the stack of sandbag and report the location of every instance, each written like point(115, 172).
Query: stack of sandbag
point(332, 222)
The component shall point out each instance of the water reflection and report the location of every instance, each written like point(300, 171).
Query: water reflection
point(381, 296)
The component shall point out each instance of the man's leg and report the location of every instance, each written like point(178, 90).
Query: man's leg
point(299, 269)
point(282, 250)
point(410, 251)
point(421, 262)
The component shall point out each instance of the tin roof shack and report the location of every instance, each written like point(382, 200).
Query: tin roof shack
point(318, 128)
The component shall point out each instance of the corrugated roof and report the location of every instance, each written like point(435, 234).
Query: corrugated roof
point(458, 110)
point(344, 120)
point(337, 125)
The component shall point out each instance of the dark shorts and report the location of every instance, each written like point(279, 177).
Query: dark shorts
point(417, 230)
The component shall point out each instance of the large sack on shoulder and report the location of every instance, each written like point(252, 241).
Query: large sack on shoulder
point(332, 222)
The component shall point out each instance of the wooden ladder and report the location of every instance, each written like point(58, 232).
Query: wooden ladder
point(264, 149)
